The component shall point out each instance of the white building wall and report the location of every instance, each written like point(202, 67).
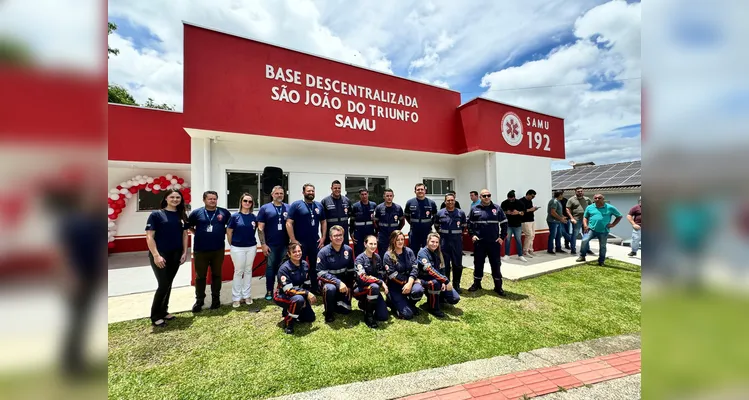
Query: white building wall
point(521, 173)
point(131, 221)
point(623, 202)
point(471, 169)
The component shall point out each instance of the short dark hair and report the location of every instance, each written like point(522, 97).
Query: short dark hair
point(511, 193)
point(578, 188)
point(420, 184)
point(558, 193)
point(474, 192)
point(530, 192)
point(388, 190)
point(363, 191)
point(335, 182)
point(207, 192)
point(450, 194)
point(304, 187)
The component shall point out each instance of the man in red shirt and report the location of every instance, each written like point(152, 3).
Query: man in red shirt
point(635, 218)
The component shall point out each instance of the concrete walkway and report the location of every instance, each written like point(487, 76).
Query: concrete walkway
point(131, 288)
point(569, 366)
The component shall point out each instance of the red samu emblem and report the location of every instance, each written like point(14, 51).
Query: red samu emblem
point(345, 210)
point(512, 129)
point(220, 217)
point(345, 254)
point(317, 210)
point(395, 217)
point(494, 211)
point(427, 213)
point(253, 224)
point(458, 223)
point(283, 278)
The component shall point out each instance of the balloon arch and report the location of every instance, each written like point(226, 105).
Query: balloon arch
point(119, 195)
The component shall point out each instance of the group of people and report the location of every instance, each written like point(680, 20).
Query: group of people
point(306, 245)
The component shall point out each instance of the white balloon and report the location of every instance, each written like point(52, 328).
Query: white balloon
point(149, 180)
point(111, 224)
point(111, 239)
point(142, 181)
point(168, 176)
point(169, 187)
point(147, 189)
point(173, 181)
point(187, 185)
point(157, 187)
point(139, 177)
point(123, 191)
point(128, 195)
point(110, 211)
point(114, 191)
point(177, 186)
point(114, 196)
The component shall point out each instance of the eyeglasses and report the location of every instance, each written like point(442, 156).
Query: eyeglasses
point(486, 196)
point(247, 201)
point(598, 198)
point(337, 236)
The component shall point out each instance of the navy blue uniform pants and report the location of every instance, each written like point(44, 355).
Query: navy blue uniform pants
point(403, 305)
point(309, 251)
point(294, 308)
point(417, 237)
point(481, 250)
point(334, 300)
point(372, 301)
point(452, 252)
point(435, 294)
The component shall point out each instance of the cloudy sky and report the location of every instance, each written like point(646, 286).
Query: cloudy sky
point(579, 59)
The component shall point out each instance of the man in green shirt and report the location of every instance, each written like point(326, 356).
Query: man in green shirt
point(596, 224)
point(576, 206)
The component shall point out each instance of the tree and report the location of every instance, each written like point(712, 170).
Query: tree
point(120, 95)
point(13, 52)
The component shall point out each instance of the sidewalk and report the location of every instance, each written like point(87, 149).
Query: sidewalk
point(542, 381)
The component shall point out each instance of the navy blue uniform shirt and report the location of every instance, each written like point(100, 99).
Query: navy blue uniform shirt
point(169, 227)
point(363, 215)
point(488, 222)
point(430, 266)
point(403, 266)
point(334, 266)
point(307, 218)
point(274, 219)
point(244, 226)
point(293, 280)
point(336, 211)
point(209, 239)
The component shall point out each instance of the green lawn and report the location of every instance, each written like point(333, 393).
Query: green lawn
point(227, 353)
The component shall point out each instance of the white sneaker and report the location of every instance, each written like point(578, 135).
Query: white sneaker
point(248, 301)
point(235, 304)
point(506, 258)
point(523, 259)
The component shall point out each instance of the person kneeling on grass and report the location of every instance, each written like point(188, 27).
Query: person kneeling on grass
point(369, 274)
point(439, 288)
point(335, 273)
point(402, 274)
point(292, 293)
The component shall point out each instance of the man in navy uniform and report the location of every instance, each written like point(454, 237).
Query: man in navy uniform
point(337, 209)
point(487, 225)
point(362, 224)
point(420, 213)
point(450, 224)
point(335, 264)
point(388, 217)
point(304, 225)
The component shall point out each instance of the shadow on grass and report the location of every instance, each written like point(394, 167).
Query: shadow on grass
point(300, 328)
point(512, 296)
point(182, 322)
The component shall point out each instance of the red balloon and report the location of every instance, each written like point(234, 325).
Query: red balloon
point(109, 201)
point(162, 178)
point(120, 203)
point(119, 187)
point(155, 191)
point(113, 216)
point(133, 190)
point(110, 245)
point(180, 181)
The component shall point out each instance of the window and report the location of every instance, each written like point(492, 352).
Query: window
point(147, 201)
point(238, 182)
point(375, 185)
point(439, 187)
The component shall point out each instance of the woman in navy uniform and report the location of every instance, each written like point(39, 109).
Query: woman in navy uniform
point(292, 293)
point(439, 288)
point(369, 274)
point(402, 277)
point(166, 235)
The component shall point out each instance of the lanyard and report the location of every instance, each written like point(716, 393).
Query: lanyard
point(210, 220)
point(311, 209)
point(279, 211)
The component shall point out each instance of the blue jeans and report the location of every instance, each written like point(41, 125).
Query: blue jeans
point(556, 231)
point(602, 241)
point(636, 238)
point(567, 227)
point(273, 261)
point(517, 231)
point(576, 229)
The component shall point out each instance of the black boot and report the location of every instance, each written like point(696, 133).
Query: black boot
point(370, 320)
point(457, 274)
point(289, 330)
point(329, 316)
point(215, 303)
point(476, 286)
point(198, 306)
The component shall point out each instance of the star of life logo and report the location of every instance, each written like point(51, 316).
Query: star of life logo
point(512, 129)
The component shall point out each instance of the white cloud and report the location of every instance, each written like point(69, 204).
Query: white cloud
point(607, 45)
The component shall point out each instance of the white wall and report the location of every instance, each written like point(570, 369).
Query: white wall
point(623, 202)
point(521, 173)
point(471, 176)
point(132, 221)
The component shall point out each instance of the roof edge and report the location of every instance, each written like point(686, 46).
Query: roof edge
point(144, 108)
point(511, 105)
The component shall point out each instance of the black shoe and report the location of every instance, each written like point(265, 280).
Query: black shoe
point(600, 264)
point(197, 307)
point(329, 317)
point(632, 254)
point(161, 325)
point(415, 310)
point(580, 259)
point(551, 252)
point(459, 290)
point(289, 330)
point(169, 318)
point(215, 304)
point(474, 287)
point(560, 251)
point(590, 252)
point(567, 246)
point(438, 313)
point(370, 321)
point(500, 292)
point(573, 252)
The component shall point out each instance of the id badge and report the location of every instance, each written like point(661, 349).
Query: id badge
point(209, 228)
point(279, 226)
point(312, 222)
